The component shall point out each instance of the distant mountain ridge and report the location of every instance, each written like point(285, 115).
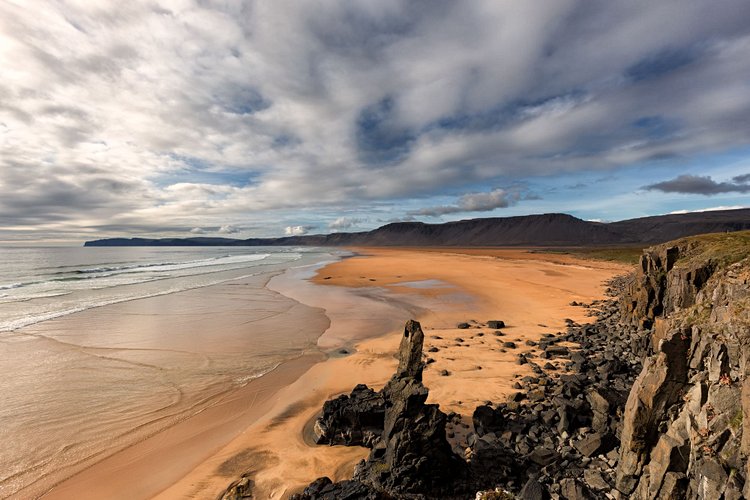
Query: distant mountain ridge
point(552, 230)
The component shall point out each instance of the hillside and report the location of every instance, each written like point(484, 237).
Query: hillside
point(528, 230)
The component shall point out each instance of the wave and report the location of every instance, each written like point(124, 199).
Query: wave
point(97, 273)
point(11, 286)
point(38, 318)
point(172, 266)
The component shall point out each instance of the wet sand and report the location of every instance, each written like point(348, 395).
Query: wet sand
point(530, 292)
point(167, 376)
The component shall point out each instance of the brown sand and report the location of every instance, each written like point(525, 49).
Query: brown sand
point(530, 292)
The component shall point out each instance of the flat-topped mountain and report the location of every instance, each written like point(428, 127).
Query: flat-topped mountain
point(526, 230)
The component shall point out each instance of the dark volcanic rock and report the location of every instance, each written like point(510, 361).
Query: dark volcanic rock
point(495, 324)
point(357, 419)
point(325, 489)
point(412, 456)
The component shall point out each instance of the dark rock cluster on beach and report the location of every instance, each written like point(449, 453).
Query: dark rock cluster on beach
point(562, 424)
point(649, 401)
point(410, 456)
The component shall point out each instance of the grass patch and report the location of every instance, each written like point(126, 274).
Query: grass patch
point(736, 421)
point(722, 248)
point(625, 255)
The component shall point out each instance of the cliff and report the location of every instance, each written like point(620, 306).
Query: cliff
point(686, 424)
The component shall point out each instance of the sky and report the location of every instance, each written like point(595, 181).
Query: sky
point(242, 119)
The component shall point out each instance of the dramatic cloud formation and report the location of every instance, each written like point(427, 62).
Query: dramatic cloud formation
point(474, 202)
point(161, 116)
point(705, 185)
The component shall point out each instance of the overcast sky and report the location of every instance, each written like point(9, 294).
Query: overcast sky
point(245, 118)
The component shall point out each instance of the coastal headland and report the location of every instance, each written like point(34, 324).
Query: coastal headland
point(367, 298)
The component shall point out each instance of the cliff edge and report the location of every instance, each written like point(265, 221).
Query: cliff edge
point(686, 425)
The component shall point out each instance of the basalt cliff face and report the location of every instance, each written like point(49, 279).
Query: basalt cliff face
point(686, 426)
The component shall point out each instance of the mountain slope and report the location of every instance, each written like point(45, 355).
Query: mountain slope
point(528, 230)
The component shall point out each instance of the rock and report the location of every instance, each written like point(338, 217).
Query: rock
point(543, 456)
point(536, 395)
point(533, 490)
point(410, 352)
point(595, 480)
point(324, 489)
point(463, 326)
point(718, 363)
point(413, 449)
point(509, 345)
point(239, 490)
point(599, 408)
point(495, 324)
point(591, 445)
point(444, 373)
point(557, 350)
point(570, 489)
point(486, 420)
point(674, 486)
point(712, 478)
point(354, 420)
point(660, 384)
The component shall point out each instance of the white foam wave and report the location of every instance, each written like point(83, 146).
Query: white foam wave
point(45, 316)
point(246, 379)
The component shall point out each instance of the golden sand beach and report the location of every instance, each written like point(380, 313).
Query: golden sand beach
point(260, 430)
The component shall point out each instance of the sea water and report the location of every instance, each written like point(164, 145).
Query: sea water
point(101, 347)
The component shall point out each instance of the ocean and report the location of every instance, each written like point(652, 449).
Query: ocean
point(102, 347)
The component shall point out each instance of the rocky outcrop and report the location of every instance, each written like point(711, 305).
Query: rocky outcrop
point(410, 457)
point(353, 420)
point(683, 428)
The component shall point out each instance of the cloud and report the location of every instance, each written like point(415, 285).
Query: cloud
point(344, 223)
point(697, 184)
point(474, 202)
point(710, 209)
point(228, 229)
point(198, 230)
point(297, 230)
point(153, 112)
point(741, 179)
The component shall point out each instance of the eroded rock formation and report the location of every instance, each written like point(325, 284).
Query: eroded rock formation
point(410, 456)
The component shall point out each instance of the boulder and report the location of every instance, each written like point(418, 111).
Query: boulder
point(354, 420)
point(325, 489)
point(533, 490)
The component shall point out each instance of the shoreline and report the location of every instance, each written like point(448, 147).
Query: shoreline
point(293, 395)
point(189, 442)
point(290, 463)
